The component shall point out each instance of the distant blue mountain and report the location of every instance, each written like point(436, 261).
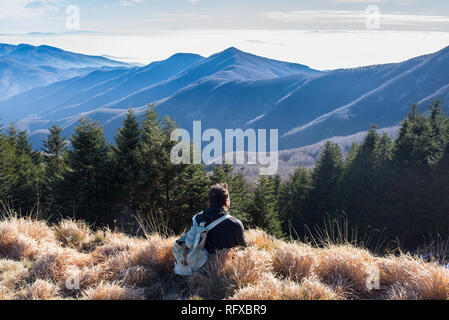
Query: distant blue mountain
point(88, 92)
point(136, 87)
point(420, 80)
point(6, 48)
point(229, 65)
point(234, 89)
point(55, 57)
point(24, 67)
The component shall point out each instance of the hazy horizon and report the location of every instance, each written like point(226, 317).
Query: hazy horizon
point(323, 34)
point(321, 50)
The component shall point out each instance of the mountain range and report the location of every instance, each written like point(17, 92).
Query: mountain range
point(24, 67)
point(232, 89)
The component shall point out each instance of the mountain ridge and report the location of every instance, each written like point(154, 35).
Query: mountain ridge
point(24, 67)
point(235, 89)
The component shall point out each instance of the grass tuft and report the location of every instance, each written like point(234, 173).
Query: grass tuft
point(70, 261)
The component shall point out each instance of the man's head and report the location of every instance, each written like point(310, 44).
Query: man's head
point(219, 196)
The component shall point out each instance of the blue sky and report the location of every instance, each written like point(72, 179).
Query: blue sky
point(137, 16)
point(325, 34)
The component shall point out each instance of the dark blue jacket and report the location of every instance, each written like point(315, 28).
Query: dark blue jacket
point(227, 235)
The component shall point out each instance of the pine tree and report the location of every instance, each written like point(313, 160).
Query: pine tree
point(359, 184)
point(262, 207)
point(12, 134)
point(408, 214)
point(23, 145)
point(26, 189)
point(88, 182)
point(384, 150)
point(55, 150)
point(26, 175)
point(7, 158)
point(160, 180)
point(240, 198)
point(441, 194)
point(293, 197)
point(221, 174)
point(191, 196)
point(324, 196)
point(277, 185)
point(439, 125)
point(126, 154)
point(150, 156)
point(55, 160)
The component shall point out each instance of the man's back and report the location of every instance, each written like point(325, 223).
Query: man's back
point(227, 235)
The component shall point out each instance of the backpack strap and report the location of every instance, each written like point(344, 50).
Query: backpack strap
point(217, 222)
point(195, 223)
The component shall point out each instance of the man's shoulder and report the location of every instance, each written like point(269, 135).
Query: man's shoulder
point(235, 222)
point(209, 218)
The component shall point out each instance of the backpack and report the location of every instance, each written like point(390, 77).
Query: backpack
point(194, 240)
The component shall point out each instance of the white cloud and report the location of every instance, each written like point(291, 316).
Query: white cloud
point(318, 49)
point(336, 17)
point(183, 16)
point(23, 9)
point(375, 1)
point(129, 3)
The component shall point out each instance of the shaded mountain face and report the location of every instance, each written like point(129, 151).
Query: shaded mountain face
point(54, 57)
point(6, 48)
point(234, 89)
point(229, 65)
point(24, 67)
point(116, 90)
point(94, 90)
point(423, 80)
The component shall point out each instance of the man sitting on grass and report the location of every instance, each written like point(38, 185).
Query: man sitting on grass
point(228, 234)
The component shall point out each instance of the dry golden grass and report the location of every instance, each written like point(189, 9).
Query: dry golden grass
point(70, 261)
point(345, 268)
point(5, 293)
point(294, 261)
point(42, 290)
point(17, 246)
point(261, 240)
point(230, 270)
point(410, 278)
point(12, 273)
point(24, 238)
point(73, 234)
point(12, 277)
point(55, 262)
point(37, 230)
point(272, 288)
point(268, 288)
point(113, 291)
point(155, 253)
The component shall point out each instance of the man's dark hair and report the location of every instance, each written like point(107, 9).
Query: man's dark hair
point(218, 195)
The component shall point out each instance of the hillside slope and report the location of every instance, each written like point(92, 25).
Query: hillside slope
point(89, 92)
point(423, 80)
point(231, 70)
point(233, 89)
point(37, 261)
point(24, 67)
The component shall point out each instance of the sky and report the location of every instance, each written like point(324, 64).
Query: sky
point(324, 34)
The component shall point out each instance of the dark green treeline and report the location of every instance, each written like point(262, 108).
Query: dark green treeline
point(400, 186)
